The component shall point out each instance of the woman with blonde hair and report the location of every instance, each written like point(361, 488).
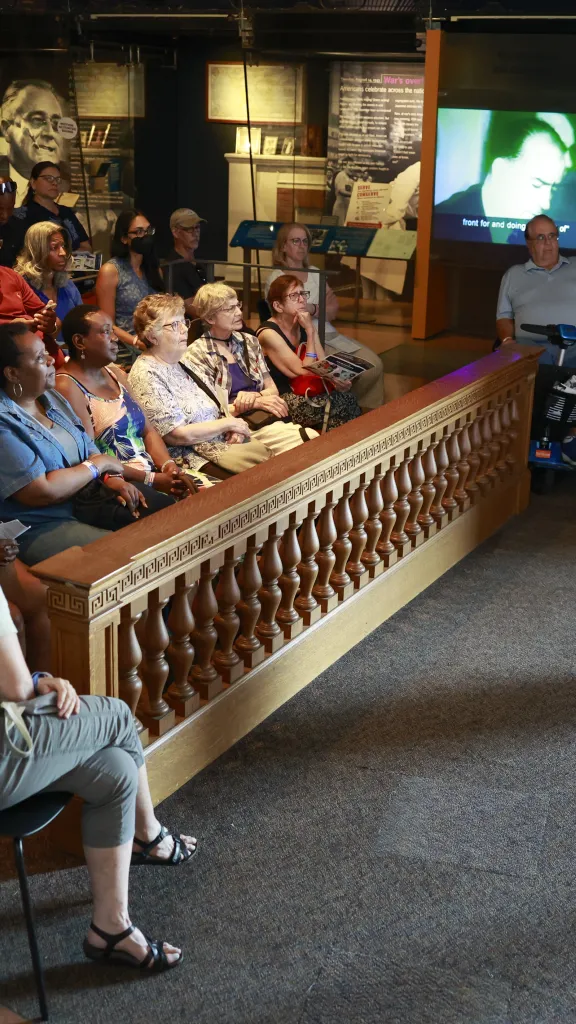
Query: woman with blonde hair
point(291, 255)
point(232, 363)
point(45, 262)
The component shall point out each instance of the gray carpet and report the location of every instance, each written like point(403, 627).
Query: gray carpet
point(395, 846)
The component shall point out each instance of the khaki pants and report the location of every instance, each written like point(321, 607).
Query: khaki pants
point(244, 456)
point(281, 437)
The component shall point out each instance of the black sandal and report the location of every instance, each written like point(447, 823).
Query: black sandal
point(179, 855)
point(155, 955)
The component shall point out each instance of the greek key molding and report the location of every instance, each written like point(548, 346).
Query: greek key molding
point(209, 538)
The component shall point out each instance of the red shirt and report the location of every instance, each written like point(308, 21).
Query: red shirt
point(19, 301)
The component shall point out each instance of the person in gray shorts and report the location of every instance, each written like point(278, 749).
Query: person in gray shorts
point(53, 740)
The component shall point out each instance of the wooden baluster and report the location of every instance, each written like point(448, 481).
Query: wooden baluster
point(494, 445)
point(287, 616)
point(307, 567)
point(181, 695)
point(453, 452)
point(204, 636)
point(129, 658)
point(500, 465)
point(153, 638)
point(474, 461)
point(270, 594)
point(375, 503)
point(322, 590)
point(513, 432)
point(483, 480)
point(226, 661)
point(385, 547)
point(415, 501)
point(505, 438)
point(247, 644)
point(437, 510)
point(399, 537)
point(428, 490)
point(463, 468)
point(358, 537)
point(342, 546)
point(490, 475)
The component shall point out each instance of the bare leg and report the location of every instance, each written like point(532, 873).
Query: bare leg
point(108, 869)
point(147, 824)
point(29, 595)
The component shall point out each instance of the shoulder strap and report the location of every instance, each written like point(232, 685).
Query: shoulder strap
point(203, 386)
point(269, 325)
point(87, 395)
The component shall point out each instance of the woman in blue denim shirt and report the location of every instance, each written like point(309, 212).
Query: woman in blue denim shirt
point(47, 457)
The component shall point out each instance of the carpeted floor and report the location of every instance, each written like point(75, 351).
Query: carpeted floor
point(397, 845)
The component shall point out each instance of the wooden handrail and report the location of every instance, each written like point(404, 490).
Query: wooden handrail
point(84, 567)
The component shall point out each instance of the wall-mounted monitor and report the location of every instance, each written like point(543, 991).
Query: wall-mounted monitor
point(496, 169)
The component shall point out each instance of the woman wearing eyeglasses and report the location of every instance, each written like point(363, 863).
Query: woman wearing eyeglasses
point(291, 252)
point(130, 275)
point(40, 204)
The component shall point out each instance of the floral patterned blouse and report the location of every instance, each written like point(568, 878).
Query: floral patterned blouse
point(170, 399)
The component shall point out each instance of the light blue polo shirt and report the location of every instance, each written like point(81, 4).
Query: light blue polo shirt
point(531, 294)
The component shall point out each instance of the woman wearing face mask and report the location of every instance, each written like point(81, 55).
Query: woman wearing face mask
point(130, 276)
point(40, 204)
point(44, 262)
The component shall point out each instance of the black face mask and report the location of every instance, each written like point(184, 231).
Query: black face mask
point(142, 246)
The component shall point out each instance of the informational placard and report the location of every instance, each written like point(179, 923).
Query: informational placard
point(367, 204)
point(374, 128)
point(109, 90)
point(389, 243)
point(275, 93)
point(261, 234)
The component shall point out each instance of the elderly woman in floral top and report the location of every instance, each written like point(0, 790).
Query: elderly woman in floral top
point(230, 359)
point(196, 427)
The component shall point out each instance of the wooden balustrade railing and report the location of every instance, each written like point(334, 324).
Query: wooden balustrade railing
point(235, 598)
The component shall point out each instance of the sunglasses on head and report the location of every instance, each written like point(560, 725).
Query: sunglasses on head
point(7, 187)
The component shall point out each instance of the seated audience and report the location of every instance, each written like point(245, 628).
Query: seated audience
point(40, 203)
point(292, 347)
point(10, 229)
point(48, 459)
point(129, 276)
point(88, 746)
point(28, 595)
point(232, 360)
point(101, 398)
point(291, 253)
point(186, 412)
point(187, 277)
point(540, 291)
point(44, 263)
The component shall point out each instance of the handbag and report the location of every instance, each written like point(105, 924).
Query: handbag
point(96, 505)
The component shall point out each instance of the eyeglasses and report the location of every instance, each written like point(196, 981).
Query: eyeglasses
point(552, 236)
point(8, 187)
point(294, 296)
point(298, 241)
point(231, 309)
point(52, 179)
point(177, 325)
point(142, 232)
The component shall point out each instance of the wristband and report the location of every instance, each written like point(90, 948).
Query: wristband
point(509, 338)
point(167, 463)
point(36, 677)
point(149, 479)
point(93, 469)
point(311, 355)
point(107, 476)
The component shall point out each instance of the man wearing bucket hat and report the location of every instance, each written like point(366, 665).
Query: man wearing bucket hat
point(187, 277)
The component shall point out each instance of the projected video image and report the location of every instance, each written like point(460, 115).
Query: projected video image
point(496, 169)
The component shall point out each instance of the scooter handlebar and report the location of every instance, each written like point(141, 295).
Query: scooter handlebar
point(548, 331)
